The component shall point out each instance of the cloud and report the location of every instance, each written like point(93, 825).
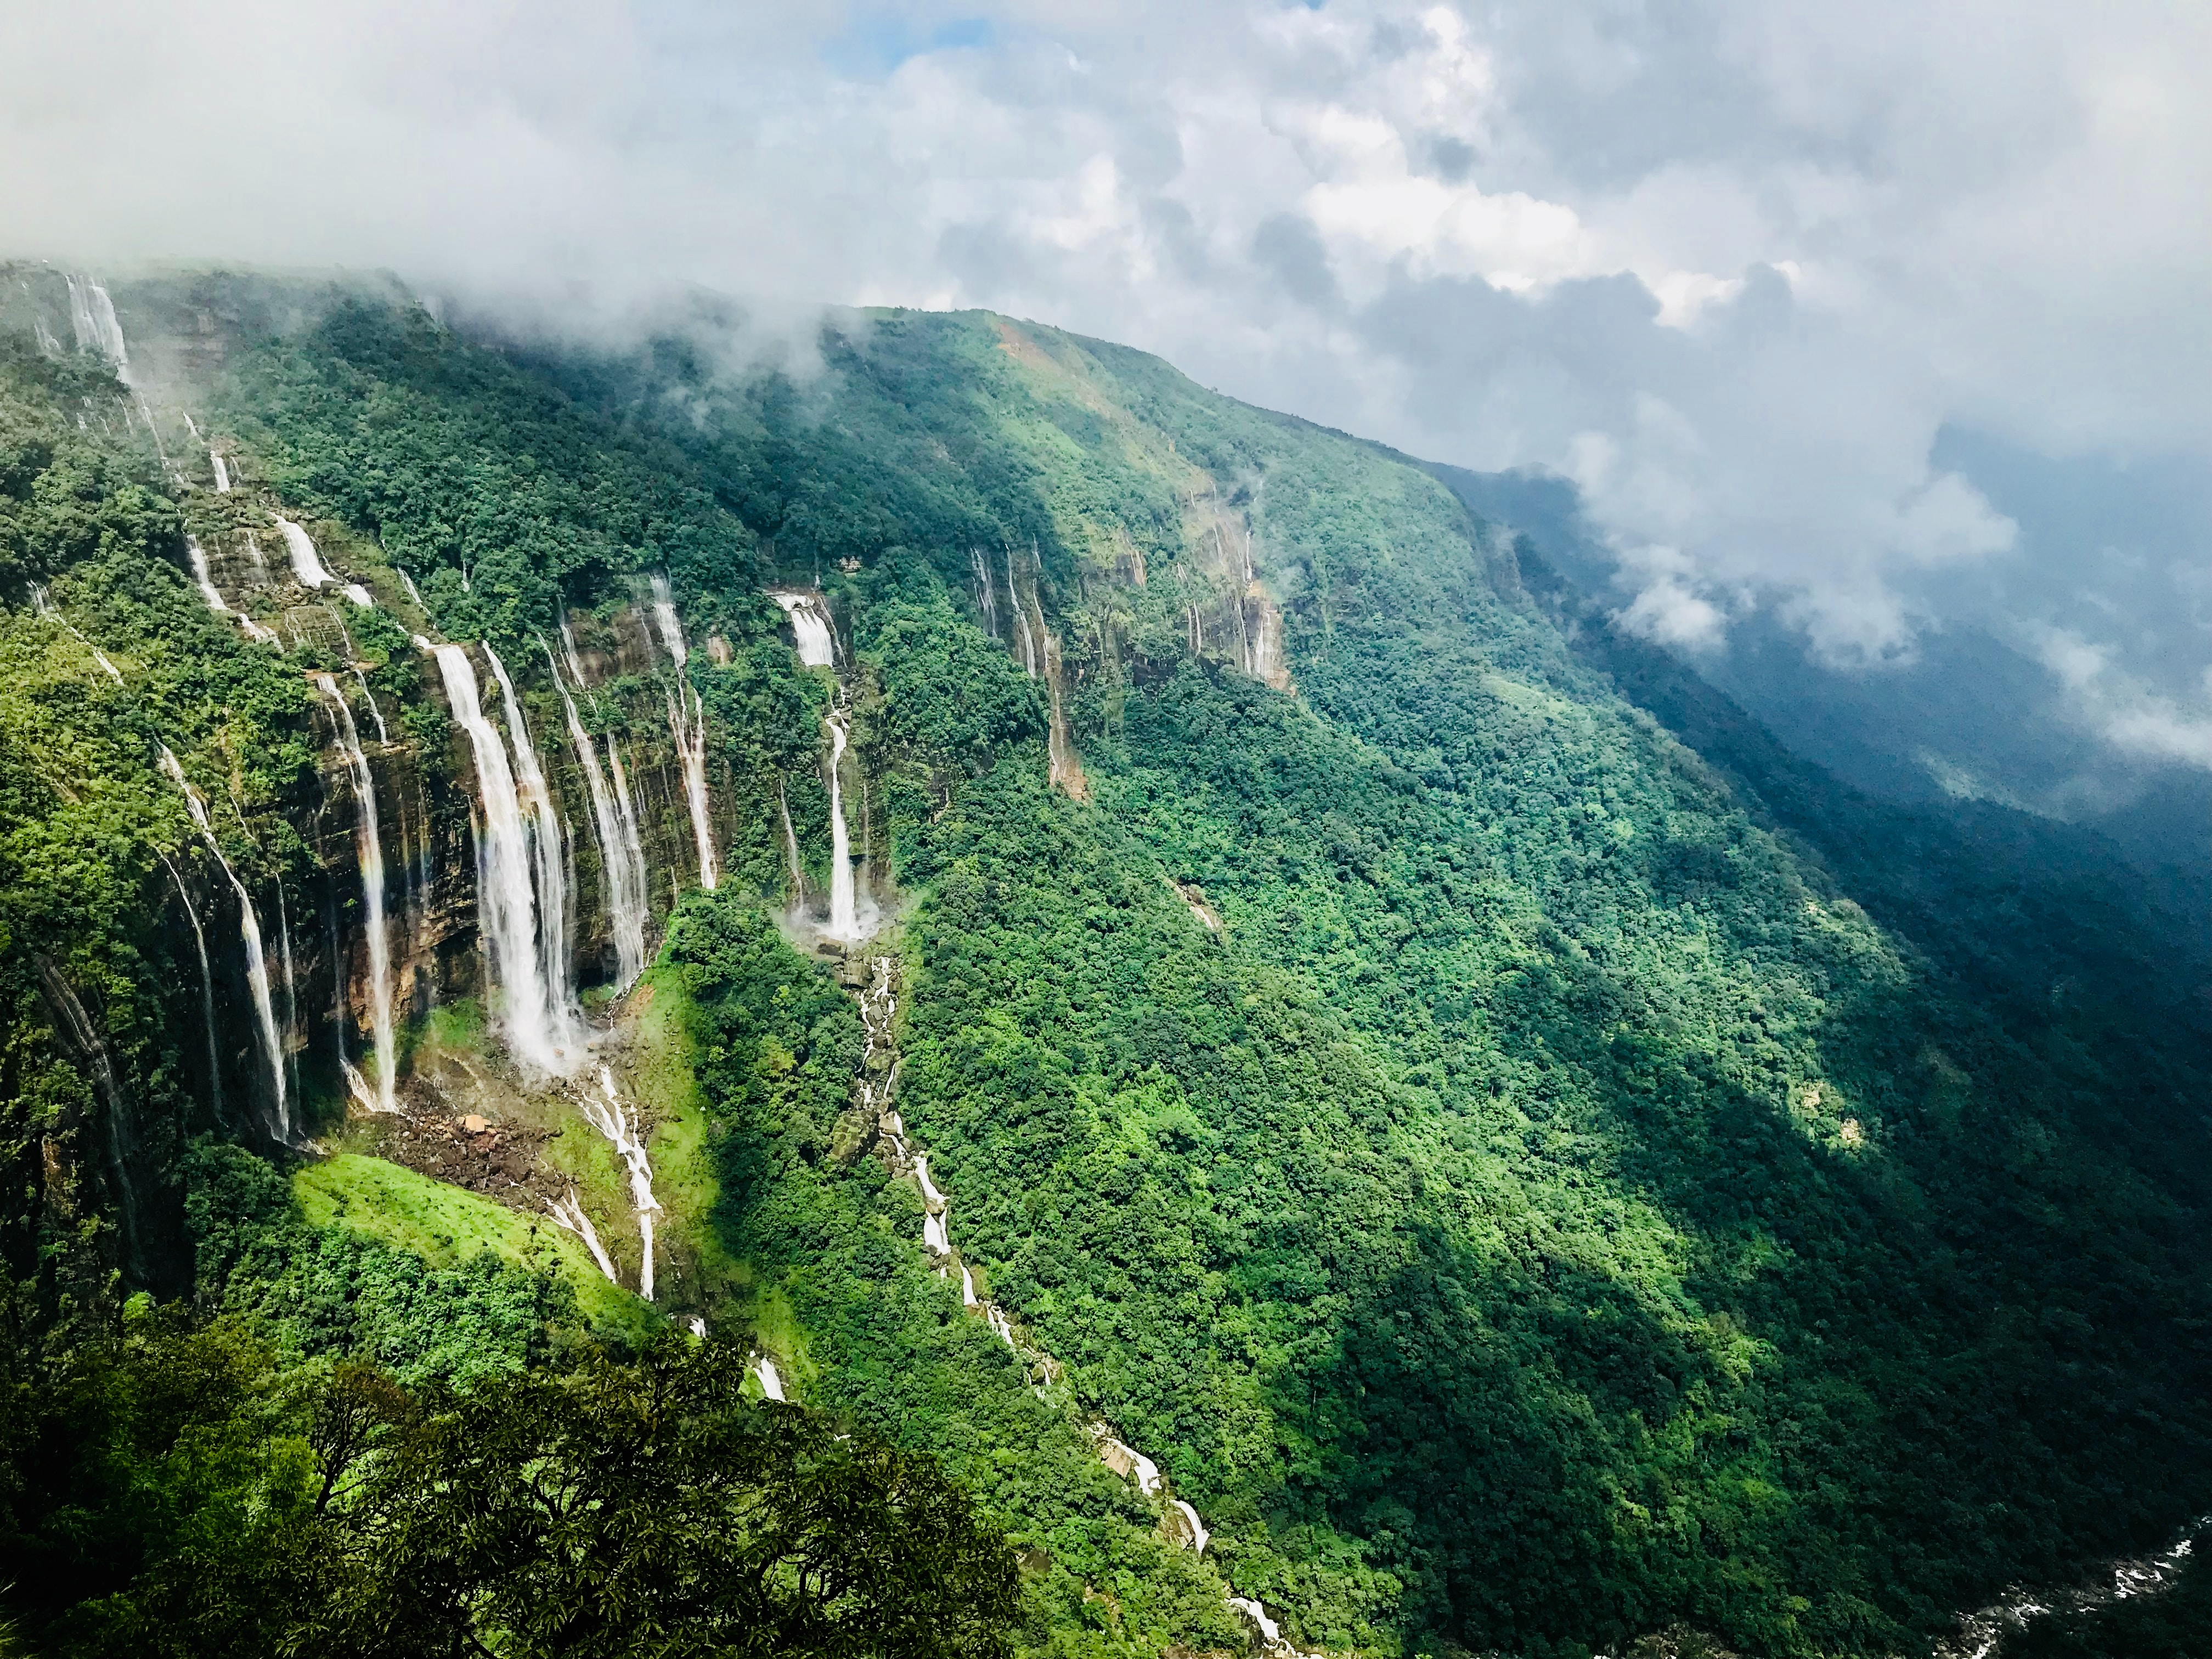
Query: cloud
point(1742, 270)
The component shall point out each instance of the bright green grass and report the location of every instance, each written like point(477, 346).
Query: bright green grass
point(446, 1226)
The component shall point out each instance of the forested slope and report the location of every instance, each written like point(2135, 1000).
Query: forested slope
point(1534, 1166)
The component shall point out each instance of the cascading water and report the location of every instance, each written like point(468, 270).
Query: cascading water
point(249, 927)
point(369, 848)
point(878, 1013)
point(791, 846)
point(92, 315)
point(537, 1026)
point(383, 732)
point(221, 473)
point(809, 629)
point(687, 723)
point(622, 865)
point(568, 1213)
point(844, 914)
point(548, 851)
point(207, 985)
point(620, 1127)
point(986, 597)
point(626, 818)
point(771, 1380)
point(44, 604)
point(307, 563)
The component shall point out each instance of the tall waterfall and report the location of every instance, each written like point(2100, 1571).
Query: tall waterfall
point(548, 851)
point(844, 918)
point(537, 1026)
point(249, 927)
point(368, 847)
point(207, 984)
point(307, 563)
point(986, 597)
point(92, 315)
point(621, 862)
point(626, 818)
point(221, 473)
point(619, 1125)
point(809, 627)
point(687, 722)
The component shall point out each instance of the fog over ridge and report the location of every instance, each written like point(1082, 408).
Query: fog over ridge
point(1814, 306)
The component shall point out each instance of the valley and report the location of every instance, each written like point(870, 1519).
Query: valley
point(1117, 950)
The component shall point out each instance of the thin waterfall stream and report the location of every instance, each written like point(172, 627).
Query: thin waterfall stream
point(622, 865)
point(368, 847)
point(207, 985)
point(249, 927)
point(877, 1085)
point(687, 724)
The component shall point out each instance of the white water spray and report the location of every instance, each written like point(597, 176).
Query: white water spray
point(206, 983)
point(249, 927)
point(507, 903)
point(620, 1127)
point(771, 1382)
point(568, 1213)
point(369, 848)
point(92, 315)
point(809, 627)
point(844, 917)
point(548, 854)
point(307, 563)
point(622, 865)
point(221, 473)
point(383, 732)
point(687, 723)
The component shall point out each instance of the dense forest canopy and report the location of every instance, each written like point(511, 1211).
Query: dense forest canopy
point(1536, 1167)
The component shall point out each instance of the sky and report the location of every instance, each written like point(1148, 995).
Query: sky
point(1880, 318)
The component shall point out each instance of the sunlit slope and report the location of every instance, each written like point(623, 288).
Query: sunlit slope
point(1550, 1208)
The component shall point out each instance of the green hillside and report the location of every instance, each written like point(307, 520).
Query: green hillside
point(1536, 1167)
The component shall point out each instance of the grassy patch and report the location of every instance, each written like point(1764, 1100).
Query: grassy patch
point(446, 1226)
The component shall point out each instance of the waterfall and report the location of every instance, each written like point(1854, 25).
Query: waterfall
point(548, 855)
point(408, 582)
point(507, 904)
point(809, 627)
point(43, 603)
point(933, 1234)
point(771, 1383)
point(687, 722)
point(622, 865)
point(92, 313)
point(307, 563)
point(620, 1127)
point(568, 1213)
point(292, 1042)
point(930, 1195)
point(1021, 618)
point(626, 816)
point(221, 473)
point(249, 927)
point(791, 846)
point(383, 732)
point(202, 578)
point(1199, 1535)
point(966, 1286)
point(988, 595)
point(576, 662)
point(369, 848)
point(360, 595)
point(207, 984)
point(844, 919)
